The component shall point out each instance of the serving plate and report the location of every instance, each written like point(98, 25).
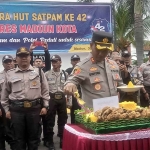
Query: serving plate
point(130, 89)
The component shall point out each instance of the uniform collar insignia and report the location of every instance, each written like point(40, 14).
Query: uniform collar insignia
point(93, 69)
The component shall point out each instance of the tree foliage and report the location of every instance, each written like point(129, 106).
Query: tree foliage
point(123, 26)
point(138, 16)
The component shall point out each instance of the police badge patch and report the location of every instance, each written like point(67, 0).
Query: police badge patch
point(76, 71)
point(97, 86)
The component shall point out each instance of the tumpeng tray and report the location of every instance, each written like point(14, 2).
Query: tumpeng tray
point(112, 126)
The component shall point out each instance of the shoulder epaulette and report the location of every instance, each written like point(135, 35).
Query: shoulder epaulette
point(110, 61)
point(83, 61)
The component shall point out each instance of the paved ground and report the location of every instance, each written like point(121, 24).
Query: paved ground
point(56, 140)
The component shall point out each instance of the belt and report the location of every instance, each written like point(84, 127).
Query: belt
point(25, 103)
point(57, 95)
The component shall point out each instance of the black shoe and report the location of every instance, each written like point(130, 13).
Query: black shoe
point(51, 147)
point(60, 144)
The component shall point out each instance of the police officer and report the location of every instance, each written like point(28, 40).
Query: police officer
point(97, 76)
point(20, 99)
point(145, 70)
point(8, 64)
point(115, 55)
point(74, 60)
point(135, 76)
point(2, 129)
point(38, 62)
point(56, 79)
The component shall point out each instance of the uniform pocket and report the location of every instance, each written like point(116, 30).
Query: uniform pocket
point(116, 77)
point(51, 83)
point(34, 82)
point(16, 85)
point(1, 83)
point(146, 73)
point(97, 84)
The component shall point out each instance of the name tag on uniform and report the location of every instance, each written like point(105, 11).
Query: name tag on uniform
point(94, 73)
point(50, 79)
point(14, 78)
point(32, 73)
point(114, 70)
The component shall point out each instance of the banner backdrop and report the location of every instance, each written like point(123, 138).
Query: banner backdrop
point(66, 27)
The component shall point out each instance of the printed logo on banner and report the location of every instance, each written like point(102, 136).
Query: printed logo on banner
point(42, 57)
point(100, 25)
